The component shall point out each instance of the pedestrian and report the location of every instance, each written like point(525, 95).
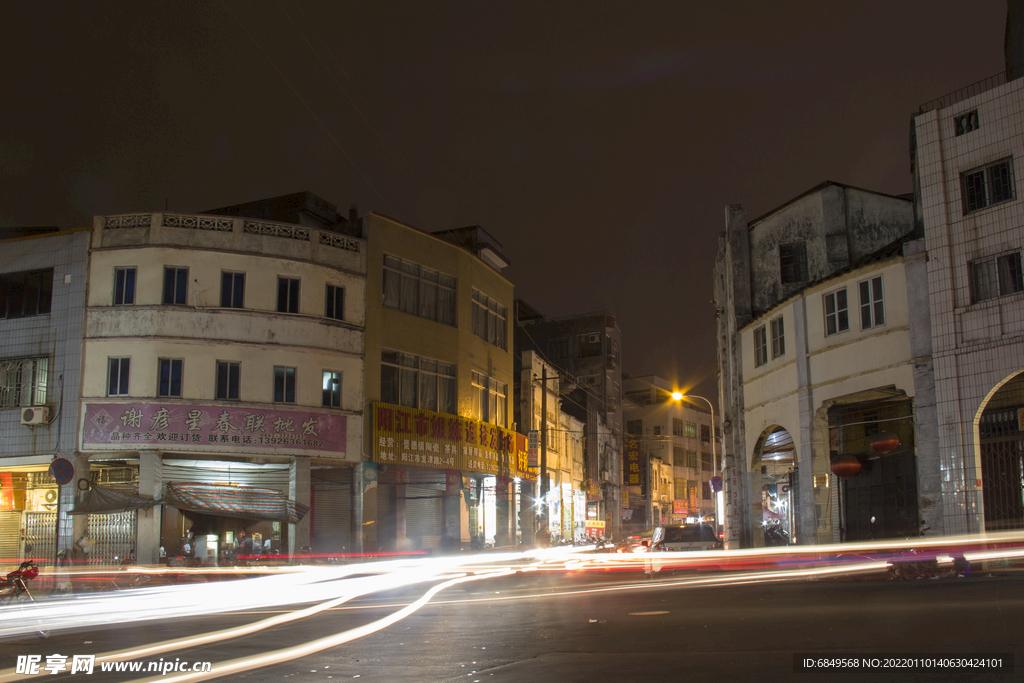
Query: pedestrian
point(244, 543)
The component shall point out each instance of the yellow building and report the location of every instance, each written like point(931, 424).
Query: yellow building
point(444, 458)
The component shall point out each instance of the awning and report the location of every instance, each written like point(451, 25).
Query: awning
point(234, 501)
point(102, 501)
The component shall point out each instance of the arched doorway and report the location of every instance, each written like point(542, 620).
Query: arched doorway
point(775, 459)
point(1001, 442)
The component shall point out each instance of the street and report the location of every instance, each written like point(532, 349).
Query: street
point(600, 626)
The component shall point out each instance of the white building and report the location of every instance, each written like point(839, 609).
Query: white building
point(966, 148)
point(824, 345)
point(222, 352)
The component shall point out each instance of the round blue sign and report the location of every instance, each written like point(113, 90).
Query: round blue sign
point(716, 484)
point(62, 471)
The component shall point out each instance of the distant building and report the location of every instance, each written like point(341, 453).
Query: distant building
point(677, 434)
point(826, 386)
point(586, 346)
point(966, 147)
point(42, 303)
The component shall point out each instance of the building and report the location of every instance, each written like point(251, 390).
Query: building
point(676, 437)
point(587, 347)
point(826, 387)
point(42, 301)
point(965, 150)
point(222, 369)
point(445, 466)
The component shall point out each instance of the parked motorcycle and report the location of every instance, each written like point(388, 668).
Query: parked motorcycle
point(775, 535)
point(14, 586)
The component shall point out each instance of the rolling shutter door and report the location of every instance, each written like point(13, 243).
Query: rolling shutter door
point(332, 511)
point(424, 508)
point(10, 537)
point(265, 476)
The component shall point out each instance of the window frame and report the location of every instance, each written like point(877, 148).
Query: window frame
point(229, 367)
point(405, 283)
point(793, 263)
point(978, 185)
point(837, 313)
point(284, 384)
point(334, 302)
point(123, 377)
point(175, 282)
point(778, 335)
point(400, 380)
point(332, 395)
point(760, 346)
point(1004, 275)
point(872, 307)
point(170, 377)
point(14, 387)
point(490, 320)
point(16, 290)
point(122, 283)
point(236, 288)
point(288, 289)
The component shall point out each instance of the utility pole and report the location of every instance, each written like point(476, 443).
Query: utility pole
point(544, 446)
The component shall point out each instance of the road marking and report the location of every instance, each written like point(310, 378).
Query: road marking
point(645, 614)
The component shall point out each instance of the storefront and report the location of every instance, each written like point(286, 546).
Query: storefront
point(443, 480)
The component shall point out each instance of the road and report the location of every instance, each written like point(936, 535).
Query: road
point(583, 626)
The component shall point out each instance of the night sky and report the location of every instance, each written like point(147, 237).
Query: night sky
point(599, 142)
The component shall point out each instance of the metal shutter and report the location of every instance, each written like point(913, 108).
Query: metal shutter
point(332, 511)
point(424, 507)
point(266, 476)
point(10, 537)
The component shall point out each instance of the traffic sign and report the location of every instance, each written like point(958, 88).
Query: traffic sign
point(716, 484)
point(62, 470)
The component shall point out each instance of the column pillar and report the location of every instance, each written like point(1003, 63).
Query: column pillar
point(365, 518)
point(151, 479)
point(299, 491)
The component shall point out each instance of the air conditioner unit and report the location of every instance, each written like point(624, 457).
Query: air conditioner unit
point(35, 416)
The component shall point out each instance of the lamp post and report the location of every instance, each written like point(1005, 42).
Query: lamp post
point(678, 396)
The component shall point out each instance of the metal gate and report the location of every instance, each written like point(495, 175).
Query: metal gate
point(882, 502)
point(1002, 469)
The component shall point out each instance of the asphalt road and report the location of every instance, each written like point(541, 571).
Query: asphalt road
point(619, 627)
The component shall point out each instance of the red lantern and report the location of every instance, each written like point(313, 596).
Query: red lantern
point(884, 442)
point(846, 466)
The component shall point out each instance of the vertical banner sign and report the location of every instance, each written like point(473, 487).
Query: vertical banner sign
point(534, 448)
point(632, 465)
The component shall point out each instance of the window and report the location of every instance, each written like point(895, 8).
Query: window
point(872, 308)
point(332, 389)
point(635, 427)
point(334, 307)
point(489, 319)
point(23, 382)
point(287, 295)
point(25, 294)
point(232, 290)
point(778, 338)
point(760, 347)
point(175, 286)
point(284, 384)
point(705, 433)
point(678, 456)
point(117, 376)
point(677, 426)
point(705, 461)
point(168, 379)
point(837, 318)
point(415, 382)
point(992, 184)
point(124, 286)
point(490, 400)
point(691, 430)
point(965, 123)
point(706, 490)
point(691, 459)
point(793, 263)
point(657, 430)
point(680, 489)
point(418, 290)
point(227, 380)
point(995, 277)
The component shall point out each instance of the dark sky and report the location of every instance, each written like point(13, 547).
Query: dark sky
point(599, 142)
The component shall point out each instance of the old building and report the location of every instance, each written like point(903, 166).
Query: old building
point(42, 300)
point(965, 148)
point(222, 366)
point(677, 434)
point(826, 385)
point(587, 347)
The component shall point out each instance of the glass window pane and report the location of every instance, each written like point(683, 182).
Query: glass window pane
point(408, 388)
point(389, 384)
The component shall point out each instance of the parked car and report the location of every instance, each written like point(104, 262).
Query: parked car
point(679, 538)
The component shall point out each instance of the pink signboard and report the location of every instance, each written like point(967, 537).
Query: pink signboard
point(131, 426)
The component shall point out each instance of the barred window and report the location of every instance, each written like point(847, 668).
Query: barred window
point(995, 277)
point(793, 263)
point(691, 459)
point(418, 290)
point(678, 456)
point(987, 186)
point(23, 382)
point(677, 426)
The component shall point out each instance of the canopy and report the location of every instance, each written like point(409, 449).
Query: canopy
point(105, 501)
point(234, 501)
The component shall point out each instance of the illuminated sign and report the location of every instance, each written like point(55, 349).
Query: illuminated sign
point(632, 464)
point(408, 437)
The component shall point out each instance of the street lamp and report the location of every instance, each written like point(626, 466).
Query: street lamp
point(679, 396)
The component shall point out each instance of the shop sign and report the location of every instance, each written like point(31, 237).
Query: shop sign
point(679, 507)
point(534, 447)
point(6, 491)
point(594, 528)
point(407, 437)
point(632, 464)
point(131, 426)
